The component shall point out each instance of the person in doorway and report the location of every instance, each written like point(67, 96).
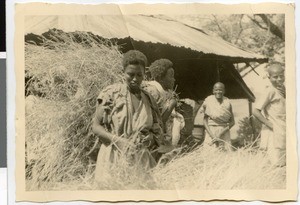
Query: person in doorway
point(218, 118)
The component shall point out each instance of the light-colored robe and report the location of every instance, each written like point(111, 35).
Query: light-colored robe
point(219, 115)
point(272, 104)
point(122, 120)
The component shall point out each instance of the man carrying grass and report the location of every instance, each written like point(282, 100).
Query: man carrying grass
point(161, 89)
point(218, 117)
point(272, 104)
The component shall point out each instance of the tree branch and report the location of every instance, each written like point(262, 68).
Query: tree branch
point(257, 23)
point(273, 28)
point(241, 29)
point(217, 23)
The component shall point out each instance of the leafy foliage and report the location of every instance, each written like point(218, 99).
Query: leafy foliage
point(259, 33)
point(248, 132)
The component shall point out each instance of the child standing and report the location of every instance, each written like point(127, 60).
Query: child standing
point(272, 105)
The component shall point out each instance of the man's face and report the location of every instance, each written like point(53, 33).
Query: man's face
point(219, 90)
point(276, 76)
point(134, 75)
point(168, 80)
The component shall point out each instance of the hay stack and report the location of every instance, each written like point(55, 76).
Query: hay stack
point(67, 75)
point(207, 168)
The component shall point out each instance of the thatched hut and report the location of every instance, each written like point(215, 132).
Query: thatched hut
point(199, 59)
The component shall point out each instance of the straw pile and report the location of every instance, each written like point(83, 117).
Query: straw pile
point(68, 74)
point(208, 168)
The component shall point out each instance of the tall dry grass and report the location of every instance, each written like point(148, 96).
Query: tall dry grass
point(69, 75)
point(208, 168)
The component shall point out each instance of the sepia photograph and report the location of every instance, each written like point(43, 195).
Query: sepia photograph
point(143, 101)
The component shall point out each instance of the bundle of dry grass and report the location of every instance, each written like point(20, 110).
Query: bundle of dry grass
point(68, 75)
point(208, 168)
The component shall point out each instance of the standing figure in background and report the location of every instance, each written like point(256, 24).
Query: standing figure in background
point(127, 121)
point(161, 88)
point(272, 104)
point(218, 117)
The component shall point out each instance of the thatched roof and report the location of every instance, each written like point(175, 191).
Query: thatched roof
point(154, 29)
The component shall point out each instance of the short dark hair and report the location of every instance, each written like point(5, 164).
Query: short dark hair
point(159, 68)
point(134, 57)
point(219, 83)
point(274, 64)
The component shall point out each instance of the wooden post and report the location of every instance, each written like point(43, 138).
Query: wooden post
point(218, 72)
point(251, 117)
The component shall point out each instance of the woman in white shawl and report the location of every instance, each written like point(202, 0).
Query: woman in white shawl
point(218, 117)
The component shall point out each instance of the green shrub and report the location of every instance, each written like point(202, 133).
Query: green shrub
point(248, 132)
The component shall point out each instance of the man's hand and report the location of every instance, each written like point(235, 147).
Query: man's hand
point(122, 144)
point(148, 140)
point(223, 132)
point(269, 124)
point(173, 102)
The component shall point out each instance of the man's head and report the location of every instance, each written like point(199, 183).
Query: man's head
point(162, 71)
point(276, 74)
point(219, 90)
point(134, 63)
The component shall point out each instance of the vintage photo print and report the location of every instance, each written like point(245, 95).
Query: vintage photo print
point(155, 102)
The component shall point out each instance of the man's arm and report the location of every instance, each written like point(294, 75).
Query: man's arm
point(98, 128)
point(262, 119)
point(232, 120)
point(168, 111)
point(205, 122)
point(261, 104)
point(230, 124)
point(107, 137)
